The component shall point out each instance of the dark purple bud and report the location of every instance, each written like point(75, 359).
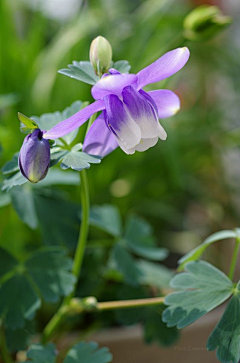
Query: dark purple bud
point(34, 156)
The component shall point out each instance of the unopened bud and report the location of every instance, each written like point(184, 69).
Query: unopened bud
point(34, 156)
point(100, 55)
point(204, 22)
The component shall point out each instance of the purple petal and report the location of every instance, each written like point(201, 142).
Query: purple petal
point(112, 84)
point(99, 139)
point(164, 67)
point(121, 123)
point(142, 112)
point(75, 121)
point(168, 103)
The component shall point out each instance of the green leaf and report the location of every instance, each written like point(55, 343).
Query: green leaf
point(57, 154)
point(151, 253)
point(38, 353)
point(139, 238)
point(49, 269)
point(126, 265)
point(87, 353)
point(5, 199)
point(63, 230)
point(82, 71)
point(122, 66)
point(78, 160)
point(197, 252)
point(14, 180)
point(226, 335)
point(11, 166)
point(58, 177)
point(7, 262)
point(107, 218)
point(27, 124)
point(19, 339)
point(156, 330)
point(203, 286)
point(154, 274)
point(23, 203)
point(18, 301)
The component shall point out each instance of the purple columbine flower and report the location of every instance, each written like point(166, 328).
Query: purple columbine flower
point(34, 156)
point(129, 117)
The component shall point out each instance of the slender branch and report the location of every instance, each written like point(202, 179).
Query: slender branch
point(125, 304)
point(234, 259)
point(4, 349)
point(78, 258)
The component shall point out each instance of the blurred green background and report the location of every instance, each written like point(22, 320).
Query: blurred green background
point(186, 187)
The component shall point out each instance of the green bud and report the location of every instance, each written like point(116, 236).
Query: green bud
point(204, 22)
point(100, 55)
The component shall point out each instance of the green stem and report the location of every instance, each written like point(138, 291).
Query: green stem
point(4, 349)
point(234, 259)
point(90, 122)
point(78, 258)
point(67, 147)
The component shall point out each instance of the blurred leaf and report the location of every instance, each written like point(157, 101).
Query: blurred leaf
point(82, 71)
point(107, 218)
point(38, 353)
point(156, 330)
point(140, 240)
point(88, 353)
point(5, 199)
point(11, 166)
point(18, 301)
point(45, 271)
point(197, 252)
point(151, 253)
point(78, 160)
point(226, 335)
point(154, 274)
point(58, 220)
point(19, 339)
point(49, 270)
point(7, 262)
point(23, 196)
point(126, 265)
point(13, 181)
point(58, 177)
point(122, 66)
point(137, 229)
point(204, 288)
point(23, 203)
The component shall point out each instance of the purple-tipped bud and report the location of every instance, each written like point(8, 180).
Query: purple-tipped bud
point(34, 156)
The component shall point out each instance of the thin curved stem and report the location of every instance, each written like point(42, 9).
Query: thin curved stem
point(78, 258)
point(234, 259)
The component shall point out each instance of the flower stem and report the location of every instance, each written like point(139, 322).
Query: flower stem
point(78, 258)
point(125, 304)
point(4, 349)
point(234, 259)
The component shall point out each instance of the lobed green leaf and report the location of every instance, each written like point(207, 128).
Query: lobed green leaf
point(226, 335)
point(203, 286)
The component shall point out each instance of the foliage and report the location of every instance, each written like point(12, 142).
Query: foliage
point(43, 275)
point(86, 352)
